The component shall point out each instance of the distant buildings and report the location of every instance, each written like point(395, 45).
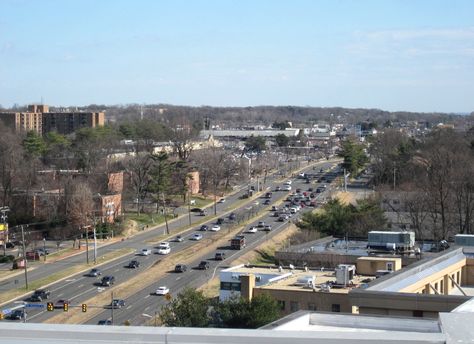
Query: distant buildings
point(39, 119)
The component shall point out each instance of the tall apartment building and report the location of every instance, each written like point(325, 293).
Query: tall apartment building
point(38, 118)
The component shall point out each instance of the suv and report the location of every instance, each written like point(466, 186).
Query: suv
point(232, 216)
point(107, 281)
point(203, 265)
point(220, 221)
point(134, 264)
point(40, 295)
point(219, 256)
point(17, 314)
point(180, 268)
point(117, 303)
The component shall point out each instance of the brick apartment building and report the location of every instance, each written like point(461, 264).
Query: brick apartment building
point(39, 119)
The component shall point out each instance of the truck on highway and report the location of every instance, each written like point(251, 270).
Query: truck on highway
point(238, 242)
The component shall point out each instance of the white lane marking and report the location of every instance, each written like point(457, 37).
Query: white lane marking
point(146, 297)
point(84, 292)
point(59, 295)
point(178, 278)
point(130, 306)
point(70, 280)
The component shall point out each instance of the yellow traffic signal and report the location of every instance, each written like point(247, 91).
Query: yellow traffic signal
point(50, 306)
point(1, 316)
point(66, 306)
point(84, 307)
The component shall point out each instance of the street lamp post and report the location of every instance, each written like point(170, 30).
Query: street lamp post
point(24, 256)
point(44, 249)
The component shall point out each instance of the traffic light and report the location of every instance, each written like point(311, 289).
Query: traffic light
point(50, 306)
point(84, 307)
point(1, 316)
point(66, 306)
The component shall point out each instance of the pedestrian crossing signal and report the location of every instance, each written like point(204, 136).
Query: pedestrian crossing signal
point(84, 307)
point(50, 306)
point(66, 306)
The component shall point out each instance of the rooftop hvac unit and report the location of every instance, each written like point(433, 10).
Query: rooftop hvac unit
point(325, 288)
point(344, 274)
point(305, 281)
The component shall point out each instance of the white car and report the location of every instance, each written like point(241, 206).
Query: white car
point(196, 236)
point(222, 200)
point(163, 250)
point(252, 230)
point(162, 290)
point(287, 187)
point(288, 182)
point(216, 228)
point(164, 244)
point(145, 252)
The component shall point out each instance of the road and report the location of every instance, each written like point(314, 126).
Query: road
point(79, 288)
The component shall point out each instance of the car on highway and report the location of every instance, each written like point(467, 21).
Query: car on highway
point(232, 216)
point(40, 295)
point(220, 221)
point(222, 200)
point(204, 228)
point(17, 314)
point(219, 256)
point(203, 265)
point(278, 188)
point(215, 228)
point(94, 273)
point(163, 250)
point(283, 218)
point(134, 264)
point(117, 303)
point(163, 290)
point(267, 202)
point(202, 213)
point(261, 224)
point(288, 182)
point(180, 268)
point(287, 188)
point(145, 252)
point(267, 228)
point(107, 281)
point(179, 238)
point(252, 229)
point(105, 322)
point(60, 303)
point(196, 237)
point(274, 208)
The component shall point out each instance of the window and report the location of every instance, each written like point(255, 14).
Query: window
point(294, 306)
point(281, 304)
point(390, 266)
point(235, 286)
point(225, 285)
point(418, 314)
point(335, 307)
point(311, 306)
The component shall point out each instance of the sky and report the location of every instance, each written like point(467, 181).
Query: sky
point(393, 55)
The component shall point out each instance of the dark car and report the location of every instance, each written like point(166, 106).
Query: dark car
point(117, 303)
point(204, 228)
point(134, 264)
point(203, 265)
point(196, 210)
point(60, 303)
point(107, 281)
point(10, 245)
point(220, 221)
point(105, 322)
point(94, 273)
point(17, 314)
point(40, 295)
point(267, 202)
point(232, 216)
point(219, 256)
point(180, 268)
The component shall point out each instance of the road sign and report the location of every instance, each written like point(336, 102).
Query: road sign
point(34, 305)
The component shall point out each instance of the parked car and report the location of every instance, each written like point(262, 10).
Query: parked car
point(134, 264)
point(145, 252)
point(196, 237)
point(42, 251)
point(107, 281)
point(180, 268)
point(274, 208)
point(204, 228)
point(278, 188)
point(163, 290)
point(215, 228)
point(219, 256)
point(17, 314)
point(287, 187)
point(94, 273)
point(117, 303)
point(203, 265)
point(222, 200)
point(252, 229)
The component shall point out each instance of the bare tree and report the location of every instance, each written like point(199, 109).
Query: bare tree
point(139, 168)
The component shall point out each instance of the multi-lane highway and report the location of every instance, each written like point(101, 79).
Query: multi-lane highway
point(142, 304)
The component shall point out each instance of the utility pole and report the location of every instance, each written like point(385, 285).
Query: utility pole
point(44, 249)
point(24, 256)
point(87, 246)
point(95, 246)
point(394, 177)
point(164, 213)
point(189, 208)
point(112, 307)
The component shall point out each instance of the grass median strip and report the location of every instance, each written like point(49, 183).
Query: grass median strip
point(12, 294)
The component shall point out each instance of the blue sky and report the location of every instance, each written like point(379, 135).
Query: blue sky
point(394, 55)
